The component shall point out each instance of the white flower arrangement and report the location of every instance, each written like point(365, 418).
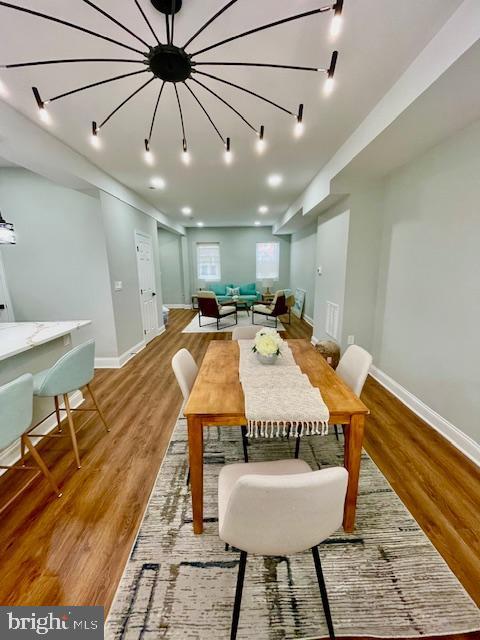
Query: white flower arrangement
point(268, 343)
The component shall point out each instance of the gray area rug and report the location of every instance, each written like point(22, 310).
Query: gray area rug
point(386, 579)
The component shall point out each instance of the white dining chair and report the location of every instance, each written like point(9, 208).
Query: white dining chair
point(245, 333)
point(353, 369)
point(276, 509)
point(186, 370)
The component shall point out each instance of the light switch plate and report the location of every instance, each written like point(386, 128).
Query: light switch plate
point(351, 340)
point(67, 340)
point(118, 285)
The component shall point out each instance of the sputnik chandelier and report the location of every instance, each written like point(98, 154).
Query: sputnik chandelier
point(176, 65)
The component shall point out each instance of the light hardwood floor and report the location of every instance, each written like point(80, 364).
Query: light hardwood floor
point(73, 550)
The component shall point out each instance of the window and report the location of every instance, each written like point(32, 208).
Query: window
point(208, 262)
point(268, 260)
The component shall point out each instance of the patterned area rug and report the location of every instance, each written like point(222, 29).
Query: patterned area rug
point(244, 320)
point(384, 580)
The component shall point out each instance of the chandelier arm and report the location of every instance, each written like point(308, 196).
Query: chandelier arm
point(167, 27)
point(227, 104)
point(155, 111)
point(172, 30)
point(69, 24)
point(125, 101)
point(115, 21)
point(147, 21)
point(66, 61)
point(252, 93)
point(206, 113)
point(95, 84)
point(258, 64)
point(209, 22)
point(181, 115)
point(263, 28)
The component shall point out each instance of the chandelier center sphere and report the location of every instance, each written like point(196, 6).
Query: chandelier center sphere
point(170, 63)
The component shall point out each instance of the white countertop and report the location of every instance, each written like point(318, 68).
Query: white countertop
point(16, 337)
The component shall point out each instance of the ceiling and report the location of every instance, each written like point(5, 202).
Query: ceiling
point(379, 41)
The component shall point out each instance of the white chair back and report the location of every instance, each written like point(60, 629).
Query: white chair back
point(282, 514)
point(353, 367)
point(245, 333)
point(185, 370)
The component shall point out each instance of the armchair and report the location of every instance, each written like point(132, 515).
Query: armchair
point(209, 308)
point(277, 308)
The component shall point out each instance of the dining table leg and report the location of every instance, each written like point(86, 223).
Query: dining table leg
point(195, 452)
point(352, 458)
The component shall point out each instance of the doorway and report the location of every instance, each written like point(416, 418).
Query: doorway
point(146, 282)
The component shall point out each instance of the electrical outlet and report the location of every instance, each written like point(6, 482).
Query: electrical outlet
point(351, 340)
point(118, 285)
point(67, 340)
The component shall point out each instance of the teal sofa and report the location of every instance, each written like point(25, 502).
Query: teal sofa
point(247, 291)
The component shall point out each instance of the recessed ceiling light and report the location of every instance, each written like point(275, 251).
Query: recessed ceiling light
point(187, 211)
point(199, 224)
point(263, 209)
point(275, 180)
point(256, 223)
point(157, 183)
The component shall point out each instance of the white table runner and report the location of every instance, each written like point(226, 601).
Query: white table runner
point(279, 396)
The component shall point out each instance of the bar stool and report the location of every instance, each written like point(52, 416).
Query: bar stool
point(73, 371)
point(16, 404)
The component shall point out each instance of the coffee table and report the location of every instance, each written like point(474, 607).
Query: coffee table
point(241, 303)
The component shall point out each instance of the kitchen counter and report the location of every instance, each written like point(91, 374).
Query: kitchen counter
point(17, 337)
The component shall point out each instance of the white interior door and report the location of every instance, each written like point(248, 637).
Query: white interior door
point(146, 282)
point(6, 311)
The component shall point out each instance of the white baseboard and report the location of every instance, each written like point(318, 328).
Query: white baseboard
point(314, 340)
point(11, 455)
point(308, 320)
point(449, 431)
point(178, 306)
point(119, 361)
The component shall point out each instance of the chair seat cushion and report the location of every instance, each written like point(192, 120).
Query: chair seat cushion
point(262, 308)
point(233, 472)
point(226, 310)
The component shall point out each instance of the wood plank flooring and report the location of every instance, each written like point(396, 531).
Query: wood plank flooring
point(73, 550)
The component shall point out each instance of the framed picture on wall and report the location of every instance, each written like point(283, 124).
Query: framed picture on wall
point(299, 302)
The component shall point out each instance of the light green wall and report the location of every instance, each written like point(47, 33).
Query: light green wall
point(303, 264)
point(120, 221)
point(171, 267)
point(428, 304)
point(237, 252)
point(58, 270)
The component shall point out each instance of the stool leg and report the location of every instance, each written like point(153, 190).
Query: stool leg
point(22, 451)
point(72, 430)
point(43, 468)
point(323, 591)
point(102, 417)
point(57, 411)
point(336, 431)
point(238, 594)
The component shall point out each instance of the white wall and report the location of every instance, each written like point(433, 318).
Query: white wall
point(171, 267)
point(303, 252)
point(58, 269)
point(332, 244)
point(120, 221)
point(428, 306)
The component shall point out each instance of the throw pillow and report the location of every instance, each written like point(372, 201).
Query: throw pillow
point(233, 291)
point(248, 289)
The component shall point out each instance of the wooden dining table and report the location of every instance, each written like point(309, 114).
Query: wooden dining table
point(217, 400)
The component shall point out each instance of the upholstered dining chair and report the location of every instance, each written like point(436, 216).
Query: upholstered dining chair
point(277, 509)
point(185, 369)
point(16, 404)
point(353, 369)
point(245, 333)
point(210, 308)
point(272, 311)
point(71, 372)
